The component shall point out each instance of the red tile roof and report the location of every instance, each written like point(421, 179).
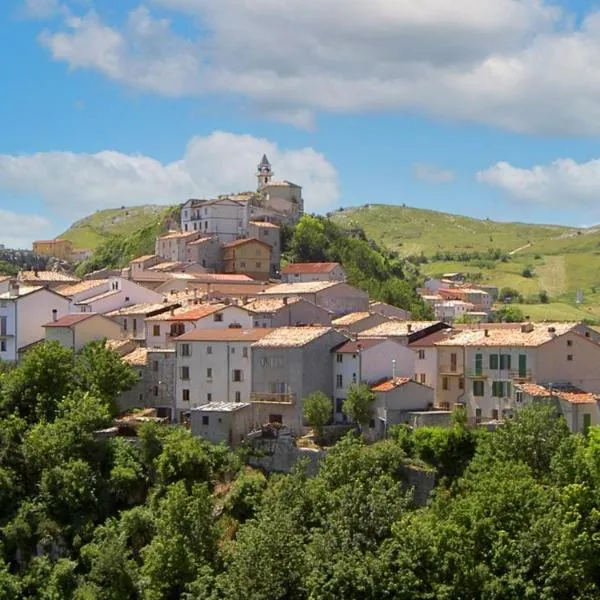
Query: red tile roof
point(70, 320)
point(307, 268)
point(232, 334)
point(245, 241)
point(390, 384)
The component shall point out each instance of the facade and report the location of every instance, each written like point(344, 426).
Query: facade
point(338, 298)
point(404, 332)
point(172, 246)
point(426, 356)
point(218, 422)
point(303, 272)
point(132, 319)
point(269, 233)
point(249, 257)
point(479, 299)
point(162, 329)
point(214, 366)
point(224, 218)
point(286, 312)
point(207, 252)
point(358, 322)
point(390, 311)
point(450, 310)
point(367, 361)
point(53, 248)
point(288, 365)
point(78, 329)
point(23, 312)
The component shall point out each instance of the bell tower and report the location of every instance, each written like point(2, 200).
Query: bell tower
point(264, 173)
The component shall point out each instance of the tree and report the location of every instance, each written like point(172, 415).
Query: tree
point(357, 405)
point(508, 294)
point(317, 411)
point(509, 314)
point(544, 298)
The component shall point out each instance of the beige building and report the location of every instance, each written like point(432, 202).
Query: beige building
point(269, 233)
point(219, 422)
point(53, 248)
point(426, 357)
point(357, 322)
point(206, 252)
point(286, 312)
point(132, 319)
point(76, 330)
point(172, 246)
point(303, 272)
point(250, 257)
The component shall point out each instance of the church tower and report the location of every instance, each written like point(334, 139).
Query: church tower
point(265, 173)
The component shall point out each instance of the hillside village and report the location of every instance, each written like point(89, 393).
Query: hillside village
point(227, 341)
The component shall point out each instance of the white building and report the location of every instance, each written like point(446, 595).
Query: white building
point(214, 366)
point(224, 218)
point(24, 311)
point(426, 356)
point(76, 330)
point(133, 318)
point(219, 422)
point(301, 272)
point(450, 310)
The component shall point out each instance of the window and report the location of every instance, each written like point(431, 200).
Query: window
point(237, 375)
point(494, 363)
point(339, 358)
point(478, 413)
point(125, 324)
point(233, 351)
point(3, 322)
point(238, 396)
point(505, 362)
point(587, 423)
point(156, 390)
point(461, 383)
point(519, 397)
point(353, 377)
point(453, 362)
point(478, 388)
point(155, 365)
point(185, 395)
point(422, 378)
point(134, 321)
point(218, 317)
point(3, 346)
point(478, 364)
point(339, 402)
point(258, 265)
point(569, 357)
point(205, 420)
point(256, 323)
point(275, 419)
point(421, 354)
point(209, 374)
point(501, 389)
point(185, 350)
point(208, 349)
point(243, 265)
point(185, 372)
point(569, 342)
point(245, 351)
point(445, 383)
point(155, 330)
point(495, 414)
point(209, 397)
point(339, 381)
point(372, 423)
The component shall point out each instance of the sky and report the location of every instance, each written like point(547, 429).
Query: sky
point(488, 108)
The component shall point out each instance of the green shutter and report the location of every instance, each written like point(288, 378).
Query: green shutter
point(478, 364)
point(505, 361)
point(494, 362)
point(508, 389)
point(522, 365)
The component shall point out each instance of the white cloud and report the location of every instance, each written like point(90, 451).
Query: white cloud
point(518, 64)
point(76, 185)
point(562, 183)
point(41, 9)
point(19, 229)
point(432, 174)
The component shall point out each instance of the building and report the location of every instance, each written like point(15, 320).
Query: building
point(284, 197)
point(302, 272)
point(426, 356)
point(270, 233)
point(207, 252)
point(367, 361)
point(218, 422)
point(172, 246)
point(286, 312)
point(395, 399)
point(451, 310)
point(490, 362)
point(132, 319)
point(249, 257)
point(336, 297)
point(214, 366)
point(107, 295)
point(289, 364)
point(358, 322)
point(390, 311)
point(162, 329)
point(224, 218)
point(76, 330)
point(23, 312)
point(58, 248)
point(50, 279)
point(479, 299)
point(404, 332)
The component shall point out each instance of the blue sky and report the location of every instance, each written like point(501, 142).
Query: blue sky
point(490, 109)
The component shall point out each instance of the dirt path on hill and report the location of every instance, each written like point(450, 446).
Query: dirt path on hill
point(519, 249)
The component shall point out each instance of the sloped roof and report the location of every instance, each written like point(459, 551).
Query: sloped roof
point(245, 241)
point(397, 328)
point(291, 337)
point(309, 268)
point(136, 358)
point(264, 224)
point(142, 309)
point(30, 276)
point(269, 305)
point(82, 286)
point(71, 320)
point(229, 334)
point(303, 287)
point(354, 346)
point(189, 313)
point(391, 384)
point(352, 318)
point(568, 393)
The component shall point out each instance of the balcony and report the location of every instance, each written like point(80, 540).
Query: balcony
point(476, 374)
point(447, 370)
point(266, 398)
point(521, 375)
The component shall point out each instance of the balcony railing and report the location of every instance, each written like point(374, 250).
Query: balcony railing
point(476, 374)
point(522, 374)
point(448, 370)
point(267, 398)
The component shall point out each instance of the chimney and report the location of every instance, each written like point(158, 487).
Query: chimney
point(486, 332)
point(172, 310)
point(285, 300)
point(394, 370)
point(54, 315)
point(552, 330)
point(409, 327)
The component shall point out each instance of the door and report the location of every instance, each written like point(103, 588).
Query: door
point(522, 365)
point(587, 423)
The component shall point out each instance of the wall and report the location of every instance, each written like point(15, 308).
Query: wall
point(271, 236)
point(454, 393)
point(159, 380)
point(208, 253)
point(301, 313)
point(252, 259)
point(96, 328)
point(230, 427)
point(343, 299)
point(367, 323)
point(426, 369)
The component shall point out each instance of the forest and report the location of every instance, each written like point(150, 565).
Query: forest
point(515, 513)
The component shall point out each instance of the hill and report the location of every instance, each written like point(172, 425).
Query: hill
point(527, 257)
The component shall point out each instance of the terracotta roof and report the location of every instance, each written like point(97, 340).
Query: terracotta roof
point(391, 384)
point(283, 183)
point(302, 287)
point(566, 392)
point(97, 297)
point(82, 286)
point(46, 276)
point(142, 309)
point(541, 334)
point(265, 224)
point(200, 241)
point(430, 340)
point(167, 266)
point(397, 328)
point(137, 358)
point(144, 258)
point(533, 389)
point(269, 305)
point(306, 268)
point(352, 318)
point(24, 290)
point(292, 337)
point(243, 242)
point(230, 334)
point(221, 277)
point(70, 320)
point(189, 313)
point(176, 235)
point(354, 346)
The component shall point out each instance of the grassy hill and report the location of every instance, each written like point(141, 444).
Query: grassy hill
point(562, 259)
point(90, 232)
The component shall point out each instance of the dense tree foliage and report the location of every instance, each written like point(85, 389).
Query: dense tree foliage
point(317, 411)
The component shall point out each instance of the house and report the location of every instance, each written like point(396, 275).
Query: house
point(367, 361)
point(172, 246)
point(358, 322)
point(395, 399)
point(481, 301)
point(57, 248)
point(156, 384)
point(132, 319)
point(214, 365)
point(50, 279)
point(491, 361)
point(76, 330)
point(286, 312)
point(106, 295)
point(339, 298)
point(581, 409)
point(219, 422)
point(451, 310)
point(162, 329)
point(207, 252)
point(248, 256)
point(404, 332)
point(23, 312)
point(269, 233)
point(302, 272)
point(223, 217)
point(390, 311)
point(284, 196)
point(289, 364)
point(426, 356)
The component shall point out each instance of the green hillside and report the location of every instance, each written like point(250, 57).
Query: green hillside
point(90, 232)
